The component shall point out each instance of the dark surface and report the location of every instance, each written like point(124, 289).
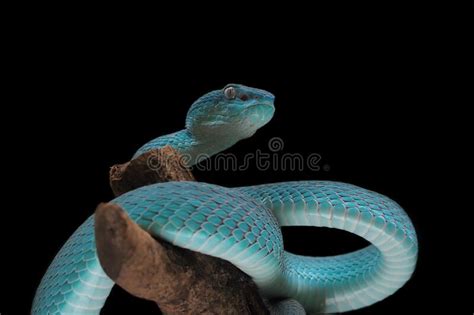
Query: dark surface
point(90, 111)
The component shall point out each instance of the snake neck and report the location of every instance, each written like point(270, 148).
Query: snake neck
point(203, 146)
point(194, 148)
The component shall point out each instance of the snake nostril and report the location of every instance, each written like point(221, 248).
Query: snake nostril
point(244, 97)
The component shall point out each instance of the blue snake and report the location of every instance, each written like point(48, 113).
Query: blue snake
point(242, 225)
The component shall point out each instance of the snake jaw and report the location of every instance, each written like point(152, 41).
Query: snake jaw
point(257, 115)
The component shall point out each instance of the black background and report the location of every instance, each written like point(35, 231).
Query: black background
point(366, 114)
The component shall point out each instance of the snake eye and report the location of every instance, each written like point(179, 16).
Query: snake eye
point(230, 93)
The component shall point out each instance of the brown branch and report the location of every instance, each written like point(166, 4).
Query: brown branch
point(180, 281)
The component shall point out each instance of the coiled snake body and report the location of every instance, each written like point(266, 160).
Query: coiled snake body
point(242, 225)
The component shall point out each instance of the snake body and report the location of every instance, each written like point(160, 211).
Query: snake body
point(242, 225)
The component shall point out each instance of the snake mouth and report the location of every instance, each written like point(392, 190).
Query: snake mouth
point(262, 106)
point(266, 104)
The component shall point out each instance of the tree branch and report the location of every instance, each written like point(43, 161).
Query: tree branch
point(180, 281)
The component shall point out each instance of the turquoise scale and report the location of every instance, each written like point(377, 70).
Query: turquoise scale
point(350, 281)
point(240, 228)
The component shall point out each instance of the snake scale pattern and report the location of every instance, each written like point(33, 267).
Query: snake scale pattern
point(242, 225)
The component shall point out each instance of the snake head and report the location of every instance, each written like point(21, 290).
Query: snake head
point(235, 112)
